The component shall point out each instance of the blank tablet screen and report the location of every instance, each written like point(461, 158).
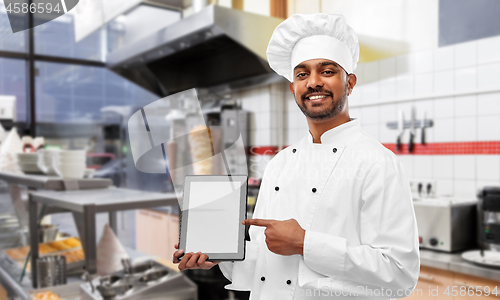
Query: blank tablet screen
point(213, 208)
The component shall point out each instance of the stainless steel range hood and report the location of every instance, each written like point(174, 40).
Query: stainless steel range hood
point(215, 46)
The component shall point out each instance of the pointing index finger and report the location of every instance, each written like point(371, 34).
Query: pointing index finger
point(257, 222)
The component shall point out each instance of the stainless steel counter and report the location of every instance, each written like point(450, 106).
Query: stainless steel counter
point(454, 262)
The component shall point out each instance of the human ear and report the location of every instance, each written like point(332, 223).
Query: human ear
point(291, 88)
point(351, 82)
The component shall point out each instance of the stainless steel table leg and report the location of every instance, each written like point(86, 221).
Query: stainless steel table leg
point(89, 237)
point(33, 226)
point(113, 222)
point(17, 202)
point(79, 223)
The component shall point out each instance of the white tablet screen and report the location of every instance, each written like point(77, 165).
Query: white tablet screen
point(213, 217)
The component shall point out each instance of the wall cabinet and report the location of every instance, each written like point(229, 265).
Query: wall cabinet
point(156, 233)
point(441, 284)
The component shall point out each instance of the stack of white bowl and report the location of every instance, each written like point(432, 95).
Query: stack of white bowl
point(28, 162)
point(46, 158)
point(70, 163)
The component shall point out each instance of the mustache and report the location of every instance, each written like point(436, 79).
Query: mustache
point(311, 90)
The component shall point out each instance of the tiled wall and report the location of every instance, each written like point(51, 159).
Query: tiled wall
point(458, 87)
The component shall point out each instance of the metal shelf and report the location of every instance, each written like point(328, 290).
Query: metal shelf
point(85, 204)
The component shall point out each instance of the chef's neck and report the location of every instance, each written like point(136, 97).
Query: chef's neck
point(317, 128)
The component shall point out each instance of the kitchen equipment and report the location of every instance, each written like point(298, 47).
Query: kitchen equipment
point(488, 209)
point(422, 136)
point(446, 224)
point(400, 129)
point(70, 164)
point(147, 280)
point(28, 162)
point(411, 143)
point(47, 233)
point(51, 270)
point(487, 258)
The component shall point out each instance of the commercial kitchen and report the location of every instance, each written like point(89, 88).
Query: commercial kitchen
point(80, 209)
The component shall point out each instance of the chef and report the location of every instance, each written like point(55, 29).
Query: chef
point(334, 217)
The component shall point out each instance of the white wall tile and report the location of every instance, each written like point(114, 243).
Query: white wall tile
point(388, 89)
point(480, 184)
point(387, 135)
point(444, 82)
point(488, 167)
point(424, 84)
point(464, 167)
point(405, 64)
point(444, 108)
point(356, 96)
point(359, 72)
point(488, 76)
point(370, 115)
point(424, 62)
point(442, 166)
point(444, 130)
point(466, 129)
point(371, 72)
point(488, 104)
point(466, 54)
point(370, 92)
point(465, 106)
point(444, 58)
point(488, 128)
point(355, 112)
point(464, 188)
point(488, 50)
point(423, 166)
point(444, 187)
point(404, 86)
point(372, 130)
point(387, 68)
point(466, 79)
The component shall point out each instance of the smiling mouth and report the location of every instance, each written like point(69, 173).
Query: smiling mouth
point(317, 97)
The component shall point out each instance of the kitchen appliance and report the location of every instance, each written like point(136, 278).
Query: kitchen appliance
point(51, 270)
point(446, 224)
point(488, 212)
point(147, 280)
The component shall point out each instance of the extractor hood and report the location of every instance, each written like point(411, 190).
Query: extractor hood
point(215, 46)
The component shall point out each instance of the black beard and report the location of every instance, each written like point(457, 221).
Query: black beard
point(331, 111)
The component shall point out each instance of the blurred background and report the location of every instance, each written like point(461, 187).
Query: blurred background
point(428, 88)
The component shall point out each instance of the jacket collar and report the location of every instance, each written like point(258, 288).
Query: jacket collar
point(337, 134)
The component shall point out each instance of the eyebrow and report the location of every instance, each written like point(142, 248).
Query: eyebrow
point(320, 64)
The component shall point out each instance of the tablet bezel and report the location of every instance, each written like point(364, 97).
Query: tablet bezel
point(188, 179)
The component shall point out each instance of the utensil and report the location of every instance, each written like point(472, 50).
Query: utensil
point(423, 128)
point(411, 144)
point(400, 129)
point(47, 233)
point(51, 270)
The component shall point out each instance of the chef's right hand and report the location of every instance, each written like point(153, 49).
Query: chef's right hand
point(192, 260)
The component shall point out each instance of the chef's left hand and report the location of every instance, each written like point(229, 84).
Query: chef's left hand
point(282, 237)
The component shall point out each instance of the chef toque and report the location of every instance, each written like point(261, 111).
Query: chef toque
point(303, 37)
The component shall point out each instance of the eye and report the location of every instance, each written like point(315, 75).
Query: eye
point(328, 72)
point(302, 74)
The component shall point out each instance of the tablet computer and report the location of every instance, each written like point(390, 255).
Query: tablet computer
point(212, 209)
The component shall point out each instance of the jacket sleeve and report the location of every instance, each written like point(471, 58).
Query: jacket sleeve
point(388, 255)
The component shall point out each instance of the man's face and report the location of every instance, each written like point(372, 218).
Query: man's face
point(321, 87)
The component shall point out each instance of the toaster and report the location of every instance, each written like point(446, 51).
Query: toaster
point(446, 224)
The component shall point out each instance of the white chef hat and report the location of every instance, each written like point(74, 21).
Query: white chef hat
point(303, 37)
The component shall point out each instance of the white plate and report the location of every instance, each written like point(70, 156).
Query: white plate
point(490, 259)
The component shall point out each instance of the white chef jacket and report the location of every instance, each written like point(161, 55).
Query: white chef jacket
point(352, 197)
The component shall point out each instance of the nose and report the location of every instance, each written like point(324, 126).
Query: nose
point(314, 80)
